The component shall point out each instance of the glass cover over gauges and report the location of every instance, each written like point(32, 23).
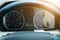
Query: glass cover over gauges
point(28, 16)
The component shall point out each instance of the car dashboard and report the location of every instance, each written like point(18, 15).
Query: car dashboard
point(29, 20)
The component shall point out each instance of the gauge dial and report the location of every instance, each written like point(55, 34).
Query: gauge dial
point(38, 19)
point(44, 20)
point(13, 20)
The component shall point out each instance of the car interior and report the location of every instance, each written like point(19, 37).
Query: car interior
point(29, 20)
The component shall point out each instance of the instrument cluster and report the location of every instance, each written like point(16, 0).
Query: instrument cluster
point(25, 17)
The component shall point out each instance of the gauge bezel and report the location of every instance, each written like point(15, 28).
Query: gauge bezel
point(16, 28)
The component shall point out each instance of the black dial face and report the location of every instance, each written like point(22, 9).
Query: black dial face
point(13, 20)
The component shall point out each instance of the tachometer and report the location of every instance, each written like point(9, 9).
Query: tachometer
point(38, 19)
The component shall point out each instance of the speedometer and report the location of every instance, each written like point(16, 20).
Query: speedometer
point(13, 20)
